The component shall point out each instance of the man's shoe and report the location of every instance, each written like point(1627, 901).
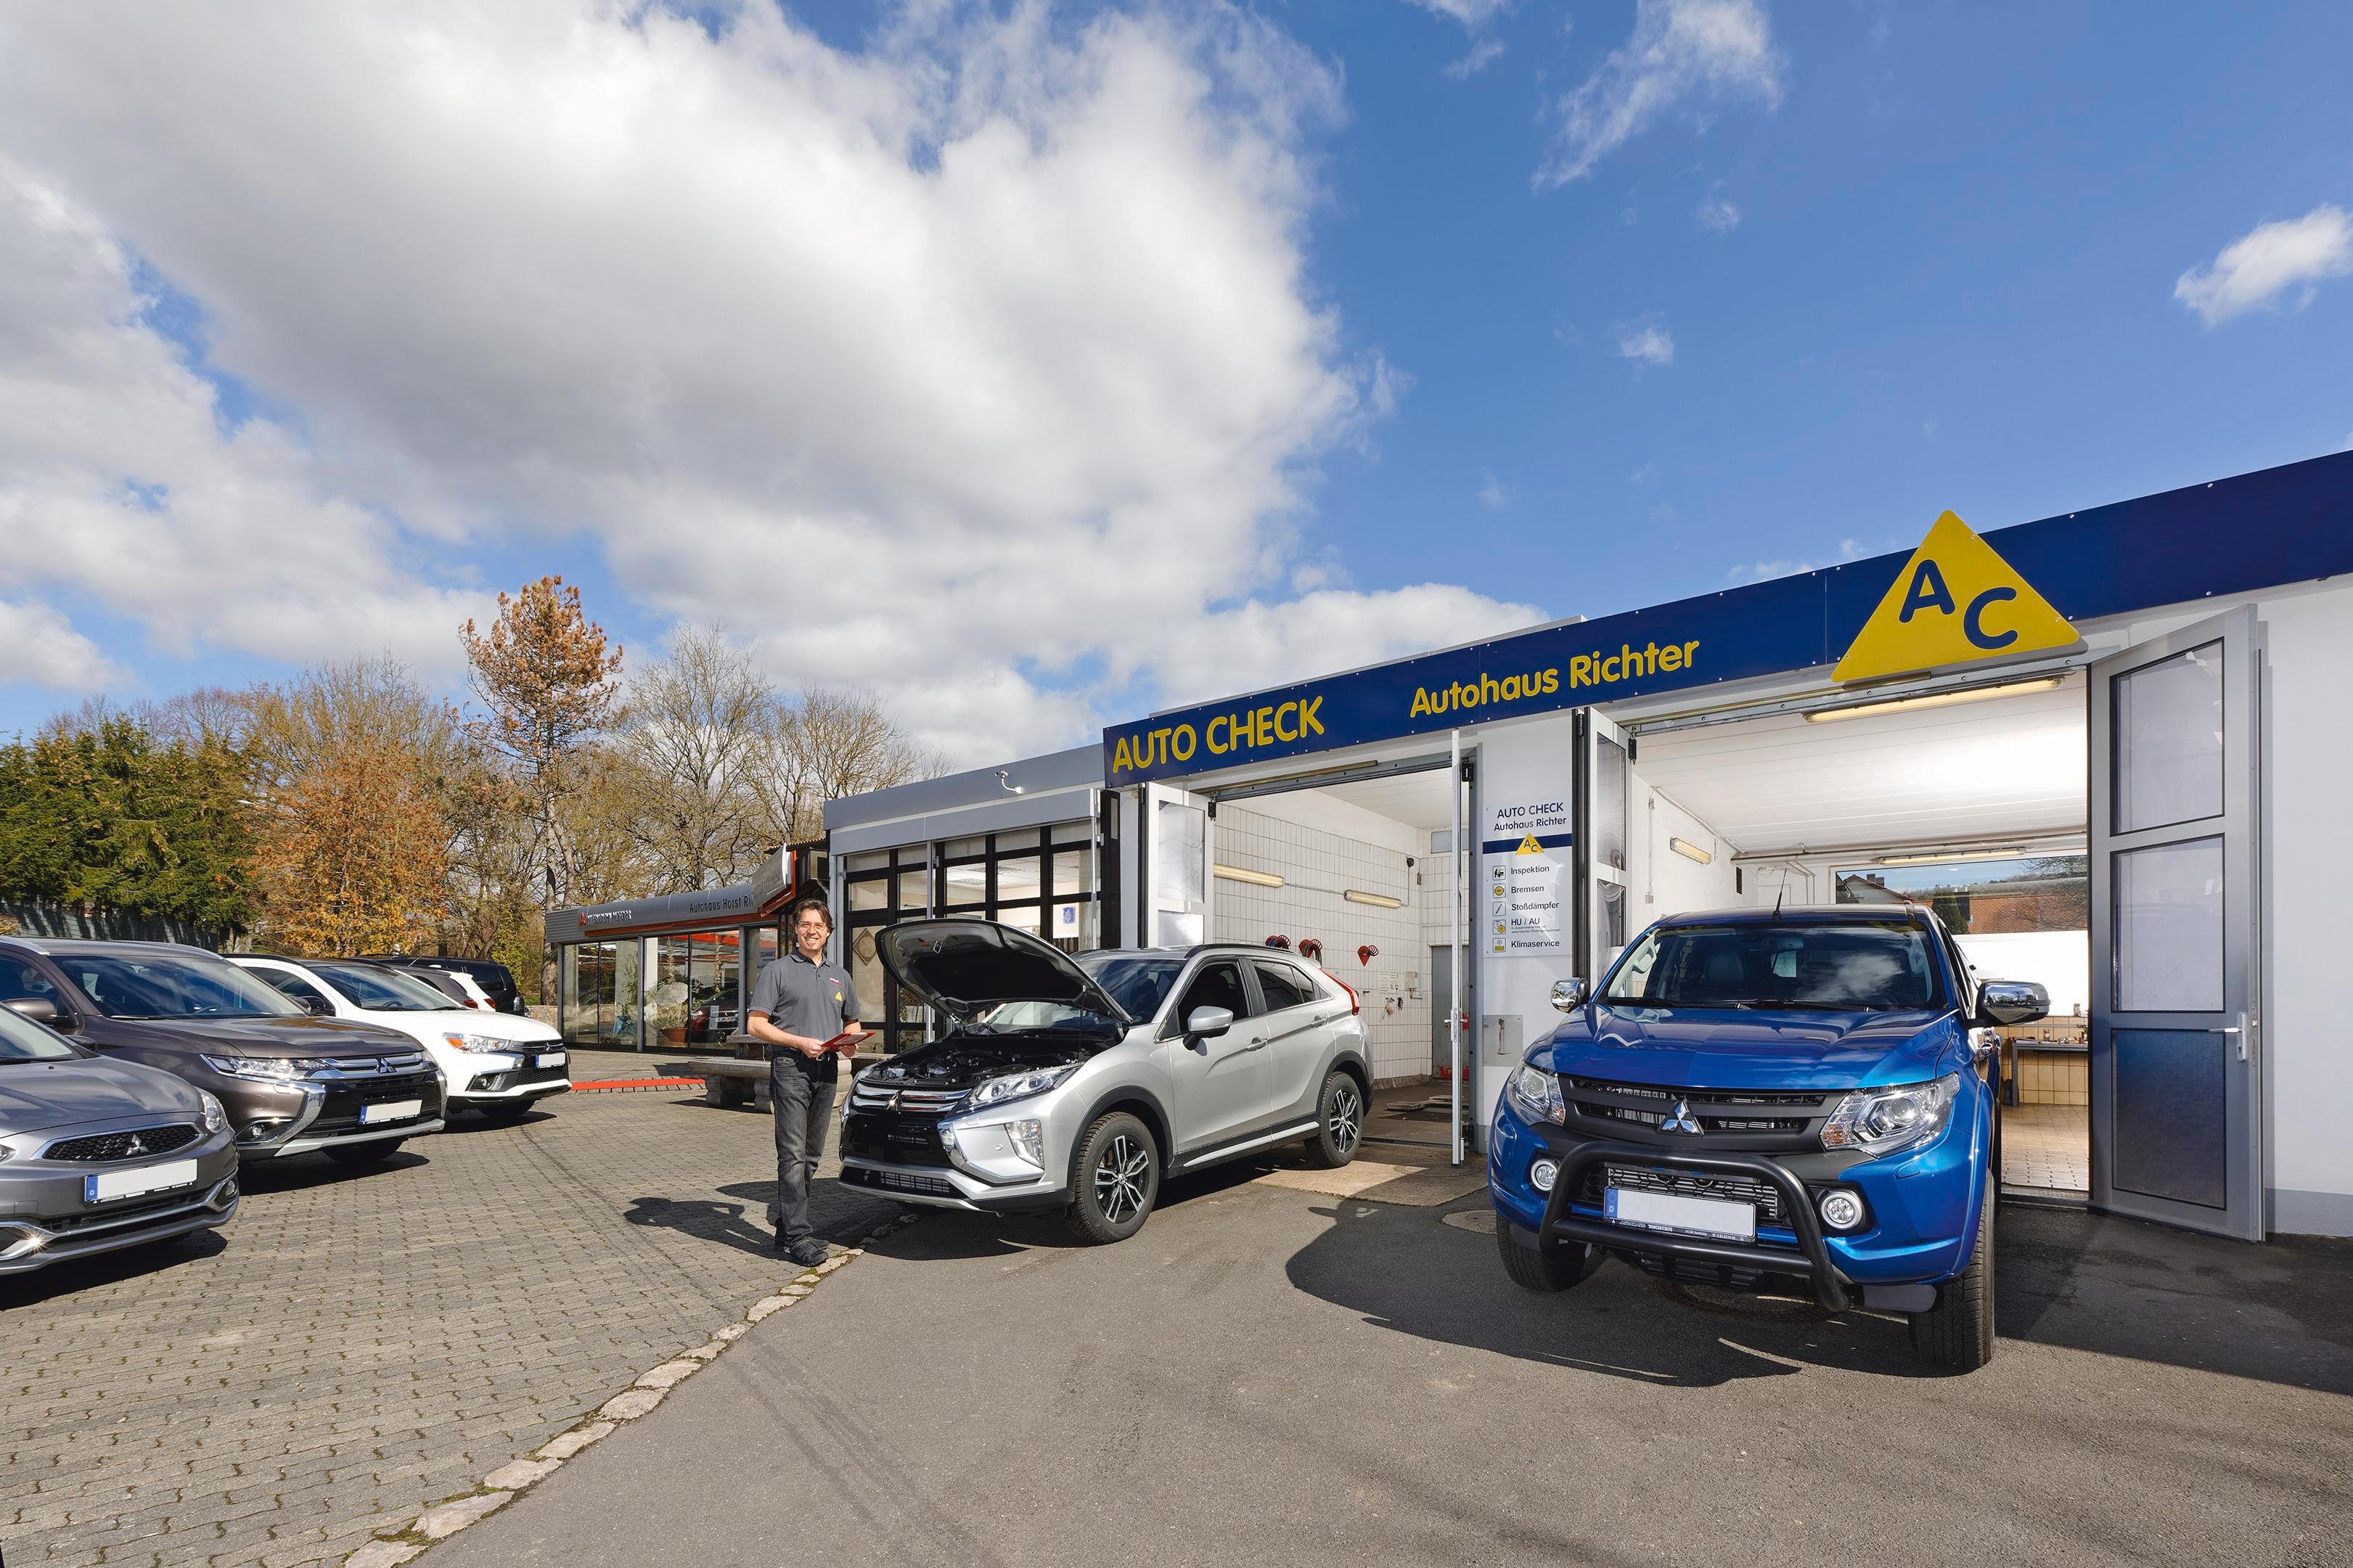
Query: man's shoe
point(808, 1254)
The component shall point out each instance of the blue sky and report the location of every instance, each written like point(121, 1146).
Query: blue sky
point(1821, 272)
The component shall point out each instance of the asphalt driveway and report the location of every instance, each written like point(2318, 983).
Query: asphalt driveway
point(1269, 1375)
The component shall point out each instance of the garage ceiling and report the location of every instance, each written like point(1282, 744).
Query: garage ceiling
point(2012, 765)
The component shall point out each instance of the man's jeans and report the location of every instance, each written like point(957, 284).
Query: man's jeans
point(801, 1103)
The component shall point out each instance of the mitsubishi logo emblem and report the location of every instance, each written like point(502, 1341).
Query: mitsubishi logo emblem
point(136, 1147)
point(1680, 1120)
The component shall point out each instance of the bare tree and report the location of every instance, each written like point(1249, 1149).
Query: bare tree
point(831, 743)
point(704, 729)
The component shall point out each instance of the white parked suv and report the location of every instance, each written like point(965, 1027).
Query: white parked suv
point(496, 1063)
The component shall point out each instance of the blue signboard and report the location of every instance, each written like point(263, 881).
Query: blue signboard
point(2282, 525)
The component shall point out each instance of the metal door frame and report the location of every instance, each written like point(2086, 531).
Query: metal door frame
point(1587, 957)
point(2237, 1025)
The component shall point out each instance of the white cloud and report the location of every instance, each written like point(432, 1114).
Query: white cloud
point(1714, 50)
point(1719, 215)
point(1476, 16)
point(1646, 344)
point(45, 650)
point(2272, 261)
point(1496, 495)
point(1760, 570)
point(989, 351)
point(1483, 53)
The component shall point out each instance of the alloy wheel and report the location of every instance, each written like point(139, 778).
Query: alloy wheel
point(1348, 1121)
point(1120, 1171)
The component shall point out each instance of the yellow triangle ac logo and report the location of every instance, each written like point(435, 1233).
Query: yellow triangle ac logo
point(1529, 845)
point(1954, 602)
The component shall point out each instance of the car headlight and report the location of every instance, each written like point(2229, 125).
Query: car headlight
point(479, 1043)
point(1535, 1094)
point(1019, 1085)
point(269, 1069)
point(1882, 1121)
point(215, 1118)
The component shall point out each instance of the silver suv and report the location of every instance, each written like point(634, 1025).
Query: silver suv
point(1078, 1082)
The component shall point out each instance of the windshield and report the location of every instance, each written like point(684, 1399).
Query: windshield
point(380, 989)
point(1858, 968)
point(1138, 985)
point(22, 1040)
point(166, 986)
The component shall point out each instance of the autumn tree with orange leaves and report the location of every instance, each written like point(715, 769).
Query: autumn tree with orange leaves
point(356, 856)
point(548, 680)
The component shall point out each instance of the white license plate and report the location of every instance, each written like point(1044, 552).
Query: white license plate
point(1667, 1211)
point(136, 1183)
point(548, 1059)
point(389, 1111)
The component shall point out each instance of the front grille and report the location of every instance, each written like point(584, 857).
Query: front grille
point(136, 1144)
point(401, 1061)
point(914, 1101)
point(1726, 1188)
point(898, 1181)
point(1746, 1111)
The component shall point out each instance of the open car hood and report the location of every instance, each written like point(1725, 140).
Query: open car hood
point(961, 966)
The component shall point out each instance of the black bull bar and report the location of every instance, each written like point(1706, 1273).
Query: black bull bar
point(1812, 1262)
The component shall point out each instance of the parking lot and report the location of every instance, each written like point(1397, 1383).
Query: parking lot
point(356, 1346)
point(1266, 1372)
point(1270, 1376)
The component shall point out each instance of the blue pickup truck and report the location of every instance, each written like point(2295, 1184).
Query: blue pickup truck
point(1754, 1098)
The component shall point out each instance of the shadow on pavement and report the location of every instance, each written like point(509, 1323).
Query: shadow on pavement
point(2113, 1287)
point(958, 1233)
point(743, 1224)
point(297, 1172)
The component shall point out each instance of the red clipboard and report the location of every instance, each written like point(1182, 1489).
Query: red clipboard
point(849, 1040)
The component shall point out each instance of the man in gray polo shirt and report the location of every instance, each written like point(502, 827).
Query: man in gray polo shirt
point(798, 1002)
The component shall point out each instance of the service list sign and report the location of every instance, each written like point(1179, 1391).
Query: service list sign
point(1524, 885)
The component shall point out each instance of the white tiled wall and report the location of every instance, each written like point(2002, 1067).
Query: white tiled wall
point(1317, 866)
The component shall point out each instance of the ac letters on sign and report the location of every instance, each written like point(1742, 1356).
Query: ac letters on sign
point(1954, 602)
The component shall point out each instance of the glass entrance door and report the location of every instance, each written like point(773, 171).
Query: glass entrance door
point(2177, 1049)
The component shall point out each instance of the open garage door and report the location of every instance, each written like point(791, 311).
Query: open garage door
point(2177, 1048)
point(1603, 789)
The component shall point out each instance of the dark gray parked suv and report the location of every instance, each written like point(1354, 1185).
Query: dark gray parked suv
point(292, 1082)
point(96, 1155)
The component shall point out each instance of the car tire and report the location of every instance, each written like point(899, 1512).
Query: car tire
point(1549, 1269)
point(1339, 1122)
point(1958, 1332)
point(1115, 1179)
point(374, 1153)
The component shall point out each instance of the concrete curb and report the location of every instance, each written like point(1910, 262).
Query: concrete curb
point(510, 1480)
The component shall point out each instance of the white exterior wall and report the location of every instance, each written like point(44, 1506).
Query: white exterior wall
point(1665, 883)
point(2307, 1039)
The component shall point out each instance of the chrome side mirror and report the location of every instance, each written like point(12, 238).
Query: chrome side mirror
point(1568, 995)
point(1208, 1023)
point(2012, 1002)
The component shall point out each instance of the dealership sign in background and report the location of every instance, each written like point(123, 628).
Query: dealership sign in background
point(2283, 525)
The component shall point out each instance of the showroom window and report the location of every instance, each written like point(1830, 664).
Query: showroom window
point(1040, 879)
point(881, 888)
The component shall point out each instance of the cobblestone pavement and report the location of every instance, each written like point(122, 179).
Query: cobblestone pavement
point(358, 1345)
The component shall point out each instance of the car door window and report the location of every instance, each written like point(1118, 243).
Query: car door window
point(1282, 986)
point(1217, 985)
point(300, 989)
point(18, 977)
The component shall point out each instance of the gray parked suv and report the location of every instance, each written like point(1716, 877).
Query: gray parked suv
point(1078, 1082)
point(96, 1154)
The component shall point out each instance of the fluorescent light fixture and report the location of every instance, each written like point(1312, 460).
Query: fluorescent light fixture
point(1240, 874)
point(1935, 700)
point(1939, 856)
point(1689, 851)
point(1381, 900)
